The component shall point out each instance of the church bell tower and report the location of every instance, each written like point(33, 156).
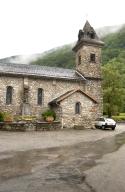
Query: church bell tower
point(88, 52)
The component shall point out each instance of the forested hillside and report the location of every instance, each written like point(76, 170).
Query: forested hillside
point(113, 68)
point(114, 46)
point(60, 57)
point(64, 56)
point(113, 58)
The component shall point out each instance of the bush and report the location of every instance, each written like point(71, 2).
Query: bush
point(8, 116)
point(49, 113)
point(25, 118)
point(119, 118)
point(1, 117)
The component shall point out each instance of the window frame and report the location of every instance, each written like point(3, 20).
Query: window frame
point(9, 95)
point(79, 59)
point(92, 58)
point(39, 96)
point(78, 108)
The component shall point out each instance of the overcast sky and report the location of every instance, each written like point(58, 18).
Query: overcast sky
point(34, 26)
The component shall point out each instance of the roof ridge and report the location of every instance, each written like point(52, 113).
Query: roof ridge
point(67, 94)
point(32, 65)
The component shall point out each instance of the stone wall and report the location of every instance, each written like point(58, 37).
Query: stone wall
point(87, 68)
point(52, 89)
point(88, 111)
point(93, 88)
point(17, 84)
point(30, 126)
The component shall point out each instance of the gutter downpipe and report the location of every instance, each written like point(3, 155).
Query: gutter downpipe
point(81, 75)
point(61, 116)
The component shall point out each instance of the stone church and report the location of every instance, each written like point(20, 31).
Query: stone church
point(75, 95)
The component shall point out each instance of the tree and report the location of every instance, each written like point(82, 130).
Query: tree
point(113, 91)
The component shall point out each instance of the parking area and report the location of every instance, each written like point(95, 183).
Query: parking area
point(21, 141)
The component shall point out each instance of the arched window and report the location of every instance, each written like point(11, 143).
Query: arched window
point(78, 108)
point(92, 35)
point(40, 96)
point(92, 57)
point(9, 92)
point(79, 59)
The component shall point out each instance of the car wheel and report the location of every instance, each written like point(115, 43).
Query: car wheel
point(113, 128)
point(103, 126)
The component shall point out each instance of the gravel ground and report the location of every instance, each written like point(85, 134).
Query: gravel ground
point(21, 141)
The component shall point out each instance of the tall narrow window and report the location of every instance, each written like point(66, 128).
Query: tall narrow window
point(78, 108)
point(79, 59)
point(9, 92)
point(40, 96)
point(92, 35)
point(92, 57)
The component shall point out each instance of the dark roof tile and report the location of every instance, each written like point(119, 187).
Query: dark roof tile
point(40, 71)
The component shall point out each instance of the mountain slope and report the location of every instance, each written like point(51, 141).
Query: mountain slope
point(61, 57)
point(64, 57)
point(65, 52)
point(114, 45)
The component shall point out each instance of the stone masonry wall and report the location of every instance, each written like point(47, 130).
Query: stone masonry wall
point(17, 84)
point(93, 88)
point(87, 68)
point(88, 111)
point(52, 89)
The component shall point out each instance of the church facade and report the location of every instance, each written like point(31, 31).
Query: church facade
point(75, 95)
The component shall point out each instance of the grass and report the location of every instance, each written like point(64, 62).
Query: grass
point(119, 118)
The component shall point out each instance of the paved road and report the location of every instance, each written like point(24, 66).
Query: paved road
point(92, 162)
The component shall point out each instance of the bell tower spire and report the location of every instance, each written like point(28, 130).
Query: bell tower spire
point(88, 52)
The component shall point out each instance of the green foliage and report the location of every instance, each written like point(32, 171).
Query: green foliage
point(8, 116)
point(119, 118)
point(61, 57)
point(113, 91)
point(1, 117)
point(49, 113)
point(25, 118)
point(114, 46)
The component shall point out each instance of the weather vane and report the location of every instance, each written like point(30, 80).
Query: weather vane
point(86, 16)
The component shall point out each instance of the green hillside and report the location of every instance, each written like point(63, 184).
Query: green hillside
point(60, 57)
point(64, 56)
point(114, 46)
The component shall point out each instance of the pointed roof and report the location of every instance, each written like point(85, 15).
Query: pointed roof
point(87, 36)
point(87, 26)
point(69, 93)
point(89, 29)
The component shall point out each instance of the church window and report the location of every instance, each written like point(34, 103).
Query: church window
point(92, 35)
point(40, 96)
point(78, 108)
point(9, 92)
point(79, 59)
point(92, 57)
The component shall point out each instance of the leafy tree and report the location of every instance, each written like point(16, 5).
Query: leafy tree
point(113, 91)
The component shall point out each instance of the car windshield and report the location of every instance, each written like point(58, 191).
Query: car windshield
point(100, 119)
point(109, 119)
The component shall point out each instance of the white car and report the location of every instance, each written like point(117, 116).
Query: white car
point(105, 123)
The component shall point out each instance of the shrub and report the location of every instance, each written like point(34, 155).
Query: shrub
point(1, 117)
point(8, 116)
point(119, 118)
point(49, 113)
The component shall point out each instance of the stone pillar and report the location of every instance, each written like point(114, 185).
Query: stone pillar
point(26, 108)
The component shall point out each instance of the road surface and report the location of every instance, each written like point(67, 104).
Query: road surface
point(93, 162)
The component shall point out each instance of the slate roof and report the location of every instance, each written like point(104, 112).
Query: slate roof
point(67, 94)
point(38, 71)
